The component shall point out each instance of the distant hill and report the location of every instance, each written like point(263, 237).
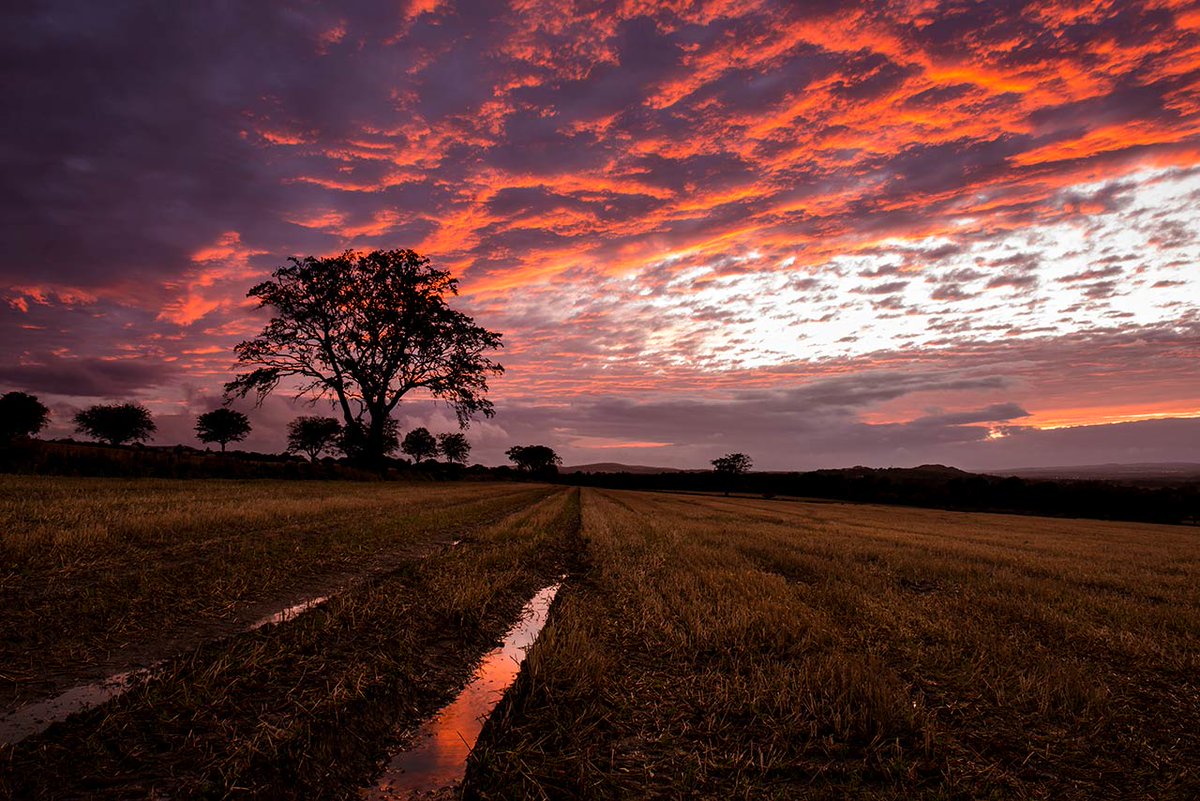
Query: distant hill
point(924, 471)
point(617, 467)
point(1141, 471)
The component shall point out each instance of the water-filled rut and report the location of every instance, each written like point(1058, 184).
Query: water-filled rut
point(436, 757)
point(35, 717)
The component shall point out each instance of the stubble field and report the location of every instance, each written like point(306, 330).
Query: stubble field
point(699, 646)
point(766, 649)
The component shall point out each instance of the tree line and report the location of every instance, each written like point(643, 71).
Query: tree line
point(932, 486)
point(23, 415)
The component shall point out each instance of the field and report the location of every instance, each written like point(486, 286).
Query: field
point(699, 646)
point(760, 649)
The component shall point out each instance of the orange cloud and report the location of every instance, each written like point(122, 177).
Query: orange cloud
point(216, 280)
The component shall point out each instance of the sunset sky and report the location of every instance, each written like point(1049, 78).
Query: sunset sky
point(821, 233)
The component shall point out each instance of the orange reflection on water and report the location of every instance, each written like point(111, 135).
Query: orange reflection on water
point(439, 755)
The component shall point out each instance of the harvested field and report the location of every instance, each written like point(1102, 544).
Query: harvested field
point(756, 649)
point(701, 647)
point(307, 708)
point(100, 575)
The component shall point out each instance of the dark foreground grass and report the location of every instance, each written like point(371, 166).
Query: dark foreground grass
point(97, 574)
point(748, 649)
point(306, 709)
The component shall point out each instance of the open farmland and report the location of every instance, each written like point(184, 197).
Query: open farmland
point(103, 574)
point(699, 646)
point(766, 649)
point(306, 707)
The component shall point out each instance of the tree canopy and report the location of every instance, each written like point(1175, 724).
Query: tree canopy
point(364, 329)
point(21, 415)
point(419, 444)
point(732, 464)
point(313, 435)
point(116, 423)
point(454, 447)
point(534, 458)
point(223, 426)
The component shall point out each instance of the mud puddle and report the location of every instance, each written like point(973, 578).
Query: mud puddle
point(437, 756)
point(35, 717)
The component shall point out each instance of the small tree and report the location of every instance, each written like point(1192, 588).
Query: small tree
point(223, 426)
point(730, 466)
point(419, 444)
point(116, 423)
point(312, 435)
point(21, 415)
point(536, 459)
point(454, 447)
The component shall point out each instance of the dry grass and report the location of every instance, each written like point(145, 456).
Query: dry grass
point(307, 708)
point(703, 647)
point(759, 649)
point(95, 571)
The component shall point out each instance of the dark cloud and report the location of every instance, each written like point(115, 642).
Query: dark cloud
point(997, 412)
point(1014, 280)
point(1091, 275)
point(886, 288)
point(795, 437)
point(93, 378)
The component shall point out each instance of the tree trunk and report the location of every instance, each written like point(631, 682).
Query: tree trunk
point(374, 456)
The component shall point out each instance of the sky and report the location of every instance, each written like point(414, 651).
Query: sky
point(823, 234)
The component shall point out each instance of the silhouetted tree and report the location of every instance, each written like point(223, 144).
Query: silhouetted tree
point(363, 330)
point(313, 435)
point(538, 459)
point(730, 466)
point(223, 426)
point(353, 442)
point(454, 447)
point(21, 415)
point(116, 423)
point(419, 444)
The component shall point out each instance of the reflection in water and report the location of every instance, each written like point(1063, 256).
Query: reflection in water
point(439, 753)
point(35, 717)
point(284, 615)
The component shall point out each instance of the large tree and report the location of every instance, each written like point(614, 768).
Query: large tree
point(21, 415)
point(116, 423)
point(223, 426)
point(363, 330)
